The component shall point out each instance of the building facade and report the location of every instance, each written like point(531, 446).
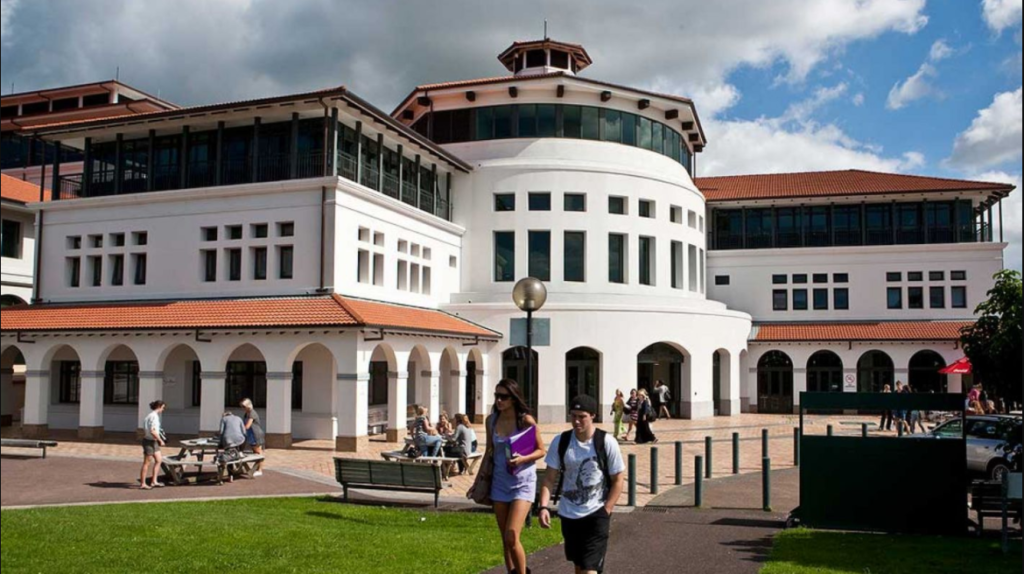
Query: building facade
point(339, 264)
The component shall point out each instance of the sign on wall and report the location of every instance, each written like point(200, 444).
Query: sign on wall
point(541, 333)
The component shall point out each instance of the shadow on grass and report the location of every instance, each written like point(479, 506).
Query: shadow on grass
point(340, 518)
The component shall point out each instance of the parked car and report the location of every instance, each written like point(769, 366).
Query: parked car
point(986, 438)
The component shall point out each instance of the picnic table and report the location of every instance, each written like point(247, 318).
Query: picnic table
point(199, 447)
point(194, 455)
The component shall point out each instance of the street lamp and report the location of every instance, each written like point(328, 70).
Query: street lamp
point(529, 295)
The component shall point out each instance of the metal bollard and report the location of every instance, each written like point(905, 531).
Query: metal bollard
point(709, 457)
point(632, 481)
point(679, 463)
point(766, 480)
point(899, 429)
point(764, 443)
point(698, 487)
point(864, 430)
point(654, 470)
point(796, 447)
point(735, 453)
point(831, 431)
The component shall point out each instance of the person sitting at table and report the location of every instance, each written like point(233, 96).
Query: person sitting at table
point(254, 429)
point(232, 432)
point(425, 436)
point(444, 426)
point(465, 440)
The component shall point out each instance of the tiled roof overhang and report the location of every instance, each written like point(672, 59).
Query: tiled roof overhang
point(878, 331)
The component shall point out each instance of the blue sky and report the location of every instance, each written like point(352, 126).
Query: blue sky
point(930, 87)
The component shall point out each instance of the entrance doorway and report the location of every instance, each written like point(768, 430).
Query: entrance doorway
point(471, 389)
point(924, 373)
point(825, 373)
point(775, 384)
point(583, 377)
point(662, 362)
point(875, 370)
point(514, 368)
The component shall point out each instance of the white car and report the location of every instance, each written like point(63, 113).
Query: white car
point(986, 437)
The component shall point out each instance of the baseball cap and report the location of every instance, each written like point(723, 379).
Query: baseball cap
point(585, 404)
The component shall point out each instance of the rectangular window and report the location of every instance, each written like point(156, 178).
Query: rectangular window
point(612, 131)
point(140, 239)
point(591, 124)
point(96, 241)
point(572, 121)
point(629, 129)
point(646, 209)
point(363, 267)
point(678, 265)
point(234, 232)
point(540, 255)
point(540, 202)
point(286, 229)
point(140, 263)
point(209, 234)
point(646, 134)
point(841, 278)
point(575, 202)
point(485, 124)
point(70, 383)
point(528, 121)
point(937, 276)
point(378, 269)
point(259, 264)
point(846, 225)
point(800, 302)
point(723, 280)
point(246, 380)
point(260, 231)
point(74, 272)
point(210, 266)
point(10, 239)
point(505, 256)
point(958, 296)
point(403, 276)
point(915, 298)
point(96, 264)
point(297, 380)
point(504, 202)
point(286, 262)
point(617, 259)
point(800, 279)
point(895, 298)
point(575, 256)
point(915, 277)
point(647, 255)
point(691, 254)
point(894, 277)
point(676, 215)
point(780, 279)
point(503, 122)
point(378, 384)
point(841, 299)
point(617, 205)
point(937, 297)
point(958, 276)
point(547, 121)
point(117, 239)
point(820, 278)
point(780, 300)
point(121, 383)
point(75, 242)
point(234, 264)
point(821, 299)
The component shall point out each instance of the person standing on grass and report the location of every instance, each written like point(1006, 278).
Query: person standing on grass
point(514, 485)
point(664, 398)
point(254, 429)
point(587, 473)
point(618, 413)
point(152, 440)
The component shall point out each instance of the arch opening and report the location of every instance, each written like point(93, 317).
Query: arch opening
point(775, 383)
point(583, 377)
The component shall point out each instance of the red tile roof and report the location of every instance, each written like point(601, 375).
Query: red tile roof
point(334, 311)
point(19, 191)
point(832, 184)
point(843, 332)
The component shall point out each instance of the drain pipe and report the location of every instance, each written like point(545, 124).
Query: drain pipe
point(38, 256)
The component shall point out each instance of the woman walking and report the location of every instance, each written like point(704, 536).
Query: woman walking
point(618, 413)
point(516, 444)
point(152, 440)
point(644, 434)
point(633, 410)
point(254, 432)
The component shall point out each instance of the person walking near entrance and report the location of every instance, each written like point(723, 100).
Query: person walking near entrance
point(587, 474)
point(618, 413)
point(515, 443)
point(254, 428)
point(152, 440)
point(632, 411)
point(645, 413)
point(663, 397)
point(886, 423)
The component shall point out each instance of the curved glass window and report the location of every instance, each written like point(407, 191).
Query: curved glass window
point(555, 120)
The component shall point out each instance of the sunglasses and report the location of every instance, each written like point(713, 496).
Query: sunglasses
point(502, 397)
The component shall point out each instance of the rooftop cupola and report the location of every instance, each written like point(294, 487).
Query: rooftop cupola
point(545, 56)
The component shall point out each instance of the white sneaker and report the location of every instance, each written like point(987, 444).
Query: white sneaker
point(257, 474)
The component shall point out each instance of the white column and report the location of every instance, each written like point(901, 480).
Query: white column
point(151, 388)
point(279, 410)
point(732, 379)
point(434, 380)
point(35, 419)
point(799, 386)
point(211, 403)
point(353, 409)
point(752, 402)
point(398, 406)
point(6, 397)
point(90, 413)
point(483, 390)
point(700, 404)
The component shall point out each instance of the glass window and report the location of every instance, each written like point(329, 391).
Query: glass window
point(958, 276)
point(790, 227)
point(915, 298)
point(678, 265)
point(234, 232)
point(576, 202)
point(591, 124)
point(759, 229)
point(908, 217)
point(259, 264)
point(286, 229)
point(70, 383)
point(879, 225)
point(646, 134)
point(121, 383)
point(502, 122)
point(937, 297)
point(780, 279)
point(939, 219)
point(646, 209)
point(97, 271)
point(629, 129)
point(74, 272)
point(540, 202)
point(617, 258)
point(528, 121)
point(937, 276)
point(800, 279)
point(617, 205)
point(504, 256)
point(723, 280)
point(647, 261)
point(728, 228)
point(286, 263)
point(540, 255)
point(209, 234)
point(117, 270)
point(819, 232)
point(260, 231)
point(246, 380)
point(958, 295)
point(234, 264)
point(10, 239)
point(209, 266)
point(140, 262)
point(841, 300)
point(572, 121)
point(547, 121)
point(780, 300)
point(485, 124)
point(820, 278)
point(847, 225)
point(657, 138)
point(612, 127)
point(915, 276)
point(894, 277)
point(841, 278)
point(504, 202)
point(821, 299)
point(800, 302)
point(575, 256)
point(895, 298)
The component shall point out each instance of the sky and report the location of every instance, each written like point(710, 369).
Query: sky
point(927, 87)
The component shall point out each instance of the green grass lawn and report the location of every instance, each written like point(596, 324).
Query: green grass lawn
point(810, 552)
point(272, 536)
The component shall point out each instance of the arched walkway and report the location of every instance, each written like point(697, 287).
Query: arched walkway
point(825, 373)
point(420, 375)
point(514, 367)
point(10, 301)
point(382, 363)
point(924, 373)
point(313, 372)
point(474, 385)
point(875, 370)
point(583, 377)
point(670, 364)
point(182, 389)
point(775, 384)
point(451, 383)
point(12, 364)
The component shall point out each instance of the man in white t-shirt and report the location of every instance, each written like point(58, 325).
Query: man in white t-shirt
point(586, 470)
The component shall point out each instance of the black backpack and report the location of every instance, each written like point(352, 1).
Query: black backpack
point(600, 438)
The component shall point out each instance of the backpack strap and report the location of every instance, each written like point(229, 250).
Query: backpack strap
point(563, 447)
point(600, 443)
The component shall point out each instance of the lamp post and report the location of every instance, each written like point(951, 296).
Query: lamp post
point(529, 295)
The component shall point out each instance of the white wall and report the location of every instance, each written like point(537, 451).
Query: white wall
point(17, 274)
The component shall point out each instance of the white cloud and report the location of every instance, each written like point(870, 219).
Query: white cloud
point(993, 139)
point(1001, 14)
point(804, 110)
point(859, 99)
point(919, 86)
point(7, 8)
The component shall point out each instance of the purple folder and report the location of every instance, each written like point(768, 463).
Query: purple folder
point(523, 444)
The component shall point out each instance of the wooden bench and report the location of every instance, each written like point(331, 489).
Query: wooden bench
point(30, 444)
point(176, 469)
point(987, 501)
point(389, 476)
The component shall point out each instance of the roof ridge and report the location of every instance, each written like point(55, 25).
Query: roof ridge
point(348, 308)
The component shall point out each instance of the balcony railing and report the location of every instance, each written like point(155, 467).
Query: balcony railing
point(348, 167)
point(409, 193)
point(371, 177)
point(392, 187)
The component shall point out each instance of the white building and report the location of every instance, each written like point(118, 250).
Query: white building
point(338, 264)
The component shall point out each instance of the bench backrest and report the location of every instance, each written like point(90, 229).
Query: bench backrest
point(394, 474)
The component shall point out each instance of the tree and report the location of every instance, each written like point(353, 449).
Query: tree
point(993, 344)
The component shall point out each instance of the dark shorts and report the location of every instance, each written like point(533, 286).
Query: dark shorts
point(150, 447)
point(586, 540)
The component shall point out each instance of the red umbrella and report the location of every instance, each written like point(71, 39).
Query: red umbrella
point(961, 367)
